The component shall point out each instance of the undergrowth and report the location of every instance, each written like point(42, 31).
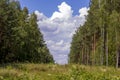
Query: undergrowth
point(57, 72)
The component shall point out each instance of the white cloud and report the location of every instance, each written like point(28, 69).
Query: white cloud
point(40, 16)
point(65, 12)
point(60, 43)
point(59, 29)
point(83, 11)
point(61, 58)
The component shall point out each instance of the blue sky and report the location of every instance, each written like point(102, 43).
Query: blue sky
point(58, 20)
point(48, 7)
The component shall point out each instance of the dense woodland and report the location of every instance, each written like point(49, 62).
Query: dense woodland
point(97, 42)
point(20, 37)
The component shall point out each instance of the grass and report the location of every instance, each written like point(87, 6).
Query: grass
point(57, 72)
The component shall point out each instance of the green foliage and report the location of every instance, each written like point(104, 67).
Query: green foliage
point(97, 42)
point(57, 72)
point(83, 73)
point(20, 37)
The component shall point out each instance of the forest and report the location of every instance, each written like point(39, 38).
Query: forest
point(20, 37)
point(97, 42)
point(94, 52)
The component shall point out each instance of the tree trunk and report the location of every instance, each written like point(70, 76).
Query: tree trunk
point(102, 42)
point(82, 55)
point(99, 3)
point(92, 56)
point(93, 49)
point(87, 57)
point(117, 58)
point(117, 49)
point(94, 46)
point(106, 48)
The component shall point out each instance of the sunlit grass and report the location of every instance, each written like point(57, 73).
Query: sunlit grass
point(57, 72)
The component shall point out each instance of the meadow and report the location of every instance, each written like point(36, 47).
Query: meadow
point(30, 71)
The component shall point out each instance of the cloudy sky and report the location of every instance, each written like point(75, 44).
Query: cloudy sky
point(58, 20)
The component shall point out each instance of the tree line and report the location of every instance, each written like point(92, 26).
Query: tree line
point(97, 42)
point(20, 37)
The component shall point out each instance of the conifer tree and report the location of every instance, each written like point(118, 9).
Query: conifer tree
point(20, 37)
point(98, 39)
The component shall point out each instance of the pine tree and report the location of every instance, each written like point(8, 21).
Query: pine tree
point(98, 39)
point(20, 37)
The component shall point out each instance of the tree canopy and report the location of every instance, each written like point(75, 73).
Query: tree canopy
point(97, 42)
point(20, 37)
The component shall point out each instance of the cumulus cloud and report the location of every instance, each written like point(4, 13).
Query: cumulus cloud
point(40, 16)
point(83, 12)
point(65, 12)
point(59, 29)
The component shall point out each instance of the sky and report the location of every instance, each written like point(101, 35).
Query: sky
point(58, 20)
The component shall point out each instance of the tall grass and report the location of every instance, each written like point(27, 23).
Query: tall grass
point(57, 72)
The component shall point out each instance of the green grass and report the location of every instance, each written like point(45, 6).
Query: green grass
point(57, 72)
